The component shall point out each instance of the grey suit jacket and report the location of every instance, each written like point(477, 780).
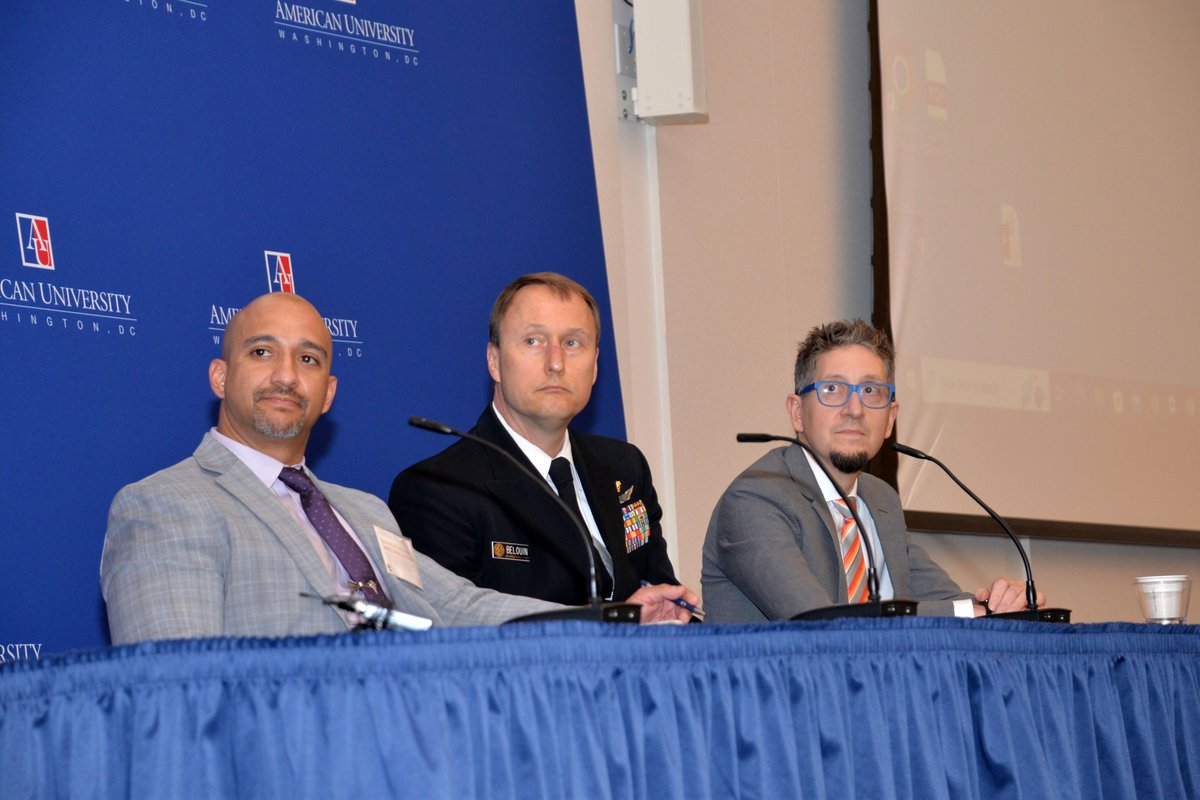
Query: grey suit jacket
point(771, 551)
point(203, 548)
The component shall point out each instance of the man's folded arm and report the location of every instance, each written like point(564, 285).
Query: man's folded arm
point(460, 602)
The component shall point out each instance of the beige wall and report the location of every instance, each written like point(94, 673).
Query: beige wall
point(727, 240)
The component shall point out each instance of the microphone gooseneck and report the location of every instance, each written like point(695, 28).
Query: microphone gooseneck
point(1030, 591)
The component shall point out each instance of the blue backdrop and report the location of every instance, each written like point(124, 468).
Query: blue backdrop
point(406, 158)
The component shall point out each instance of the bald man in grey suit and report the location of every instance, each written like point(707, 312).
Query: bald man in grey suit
point(219, 545)
point(204, 548)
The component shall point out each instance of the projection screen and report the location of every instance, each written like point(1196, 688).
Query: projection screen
point(1043, 203)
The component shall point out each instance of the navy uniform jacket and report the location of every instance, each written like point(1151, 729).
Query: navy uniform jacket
point(468, 509)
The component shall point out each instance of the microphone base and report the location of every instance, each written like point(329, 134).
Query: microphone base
point(879, 608)
point(601, 612)
point(1056, 615)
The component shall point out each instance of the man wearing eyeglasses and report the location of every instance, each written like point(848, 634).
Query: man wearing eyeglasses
point(779, 543)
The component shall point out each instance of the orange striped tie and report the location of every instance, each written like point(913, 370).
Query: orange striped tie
point(853, 559)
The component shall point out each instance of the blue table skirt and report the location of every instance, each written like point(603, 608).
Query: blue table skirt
point(905, 708)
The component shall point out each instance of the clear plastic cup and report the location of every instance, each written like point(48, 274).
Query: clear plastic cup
point(1164, 598)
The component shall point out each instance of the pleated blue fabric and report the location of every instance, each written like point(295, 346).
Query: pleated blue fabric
point(901, 708)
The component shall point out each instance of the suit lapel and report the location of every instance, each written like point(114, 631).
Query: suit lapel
point(895, 553)
point(599, 486)
point(234, 477)
point(802, 473)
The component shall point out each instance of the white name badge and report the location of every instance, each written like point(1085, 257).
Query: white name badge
point(399, 556)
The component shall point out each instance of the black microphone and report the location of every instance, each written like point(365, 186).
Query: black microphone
point(874, 607)
point(1031, 613)
point(595, 610)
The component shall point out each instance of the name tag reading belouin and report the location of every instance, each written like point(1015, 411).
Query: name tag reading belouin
point(508, 551)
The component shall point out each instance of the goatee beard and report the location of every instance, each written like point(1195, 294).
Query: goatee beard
point(849, 463)
point(272, 431)
point(264, 425)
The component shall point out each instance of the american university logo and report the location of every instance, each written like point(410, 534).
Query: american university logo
point(34, 235)
point(346, 32)
point(281, 278)
point(43, 302)
point(279, 272)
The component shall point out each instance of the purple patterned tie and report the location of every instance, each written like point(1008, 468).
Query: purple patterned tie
point(345, 549)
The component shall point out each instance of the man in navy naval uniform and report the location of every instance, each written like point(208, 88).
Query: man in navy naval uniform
point(470, 509)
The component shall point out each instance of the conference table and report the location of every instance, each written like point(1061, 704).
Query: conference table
point(892, 708)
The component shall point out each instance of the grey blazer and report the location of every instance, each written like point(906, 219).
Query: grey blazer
point(771, 550)
point(203, 548)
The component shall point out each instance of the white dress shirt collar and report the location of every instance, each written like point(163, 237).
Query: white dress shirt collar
point(536, 455)
point(265, 468)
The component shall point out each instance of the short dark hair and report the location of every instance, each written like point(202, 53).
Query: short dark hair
point(560, 284)
point(844, 333)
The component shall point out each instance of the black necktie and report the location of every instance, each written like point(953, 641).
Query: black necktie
point(564, 484)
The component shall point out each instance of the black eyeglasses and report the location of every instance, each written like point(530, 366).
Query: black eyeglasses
point(835, 394)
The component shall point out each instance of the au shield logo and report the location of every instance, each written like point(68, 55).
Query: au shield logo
point(279, 272)
point(34, 235)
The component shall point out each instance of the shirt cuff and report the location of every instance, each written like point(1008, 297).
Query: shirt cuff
point(964, 608)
